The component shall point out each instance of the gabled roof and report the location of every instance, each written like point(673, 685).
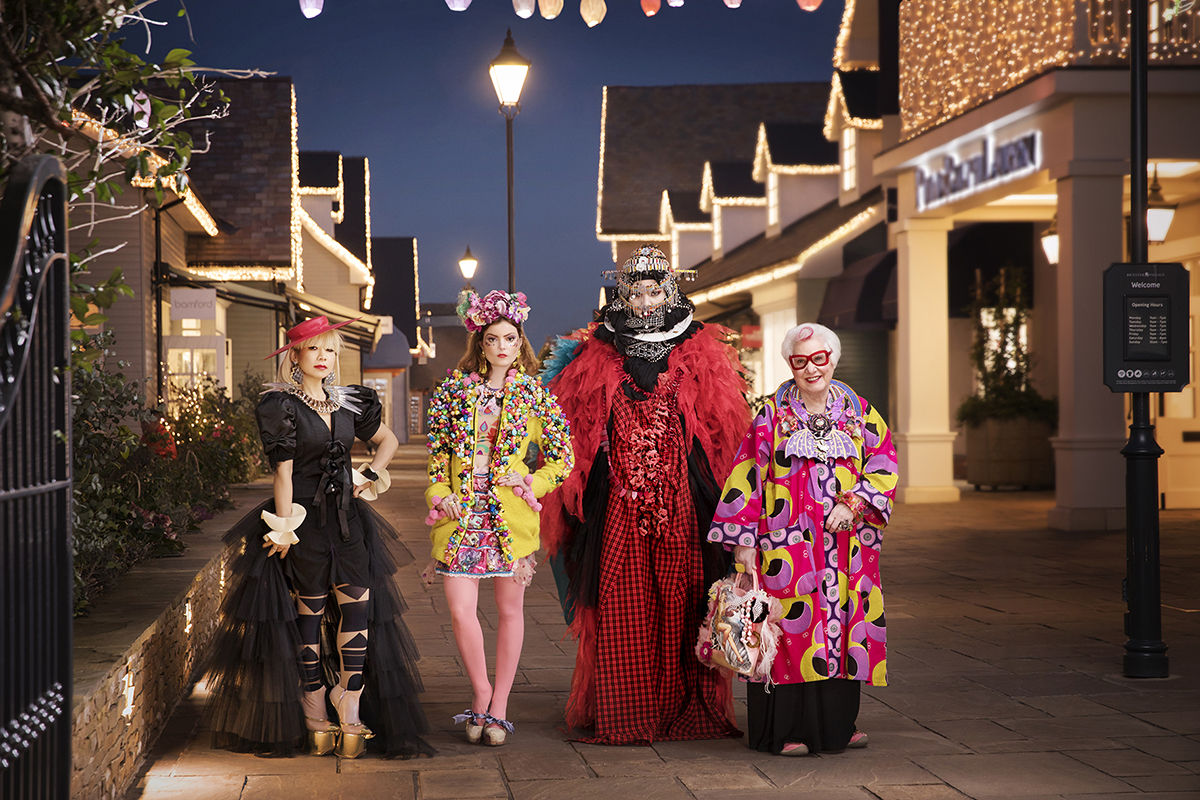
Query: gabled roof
point(658, 137)
point(764, 259)
point(396, 281)
point(856, 93)
point(682, 210)
point(731, 183)
point(793, 149)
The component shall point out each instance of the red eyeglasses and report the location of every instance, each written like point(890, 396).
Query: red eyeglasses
point(819, 358)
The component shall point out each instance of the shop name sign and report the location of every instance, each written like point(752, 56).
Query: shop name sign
point(193, 303)
point(994, 165)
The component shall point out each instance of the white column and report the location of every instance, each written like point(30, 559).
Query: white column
point(1089, 469)
point(921, 429)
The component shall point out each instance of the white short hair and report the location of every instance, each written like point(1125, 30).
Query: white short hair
point(805, 330)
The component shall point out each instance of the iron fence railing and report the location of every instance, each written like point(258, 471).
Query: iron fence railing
point(36, 577)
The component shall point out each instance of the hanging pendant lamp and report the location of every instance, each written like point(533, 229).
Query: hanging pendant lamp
point(550, 8)
point(592, 11)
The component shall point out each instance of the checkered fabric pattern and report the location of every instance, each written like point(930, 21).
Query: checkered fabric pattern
point(649, 685)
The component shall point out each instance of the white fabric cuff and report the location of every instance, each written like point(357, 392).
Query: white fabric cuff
point(283, 528)
point(375, 488)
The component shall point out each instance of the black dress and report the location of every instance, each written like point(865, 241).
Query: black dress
point(255, 673)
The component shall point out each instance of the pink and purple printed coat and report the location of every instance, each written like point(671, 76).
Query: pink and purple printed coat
point(783, 485)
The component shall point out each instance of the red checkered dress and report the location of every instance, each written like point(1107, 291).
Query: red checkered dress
point(647, 683)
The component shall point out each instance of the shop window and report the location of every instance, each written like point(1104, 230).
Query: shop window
point(849, 160)
point(190, 327)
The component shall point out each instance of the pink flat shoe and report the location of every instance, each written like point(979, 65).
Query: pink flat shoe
point(797, 749)
point(857, 741)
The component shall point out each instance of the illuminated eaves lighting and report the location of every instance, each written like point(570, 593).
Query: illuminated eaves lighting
point(837, 101)
point(763, 163)
point(787, 268)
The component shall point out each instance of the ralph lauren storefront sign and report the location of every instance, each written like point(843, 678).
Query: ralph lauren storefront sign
point(994, 165)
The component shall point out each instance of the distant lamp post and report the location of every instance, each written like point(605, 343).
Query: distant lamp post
point(310, 8)
point(1159, 213)
point(1050, 241)
point(508, 71)
point(524, 8)
point(458, 5)
point(467, 265)
point(550, 8)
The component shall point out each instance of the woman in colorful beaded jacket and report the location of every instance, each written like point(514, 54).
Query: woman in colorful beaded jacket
point(805, 506)
point(483, 499)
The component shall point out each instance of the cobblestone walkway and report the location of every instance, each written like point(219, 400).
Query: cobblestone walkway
point(1005, 659)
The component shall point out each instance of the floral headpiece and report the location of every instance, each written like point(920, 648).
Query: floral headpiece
point(478, 312)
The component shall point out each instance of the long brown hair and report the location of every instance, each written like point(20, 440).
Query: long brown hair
point(473, 359)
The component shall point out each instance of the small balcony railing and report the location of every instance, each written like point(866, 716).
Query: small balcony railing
point(957, 54)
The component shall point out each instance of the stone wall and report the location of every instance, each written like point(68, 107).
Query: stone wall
point(137, 655)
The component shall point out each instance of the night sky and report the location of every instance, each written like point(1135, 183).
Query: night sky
point(405, 83)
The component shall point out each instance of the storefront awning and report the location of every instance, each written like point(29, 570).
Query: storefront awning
point(863, 297)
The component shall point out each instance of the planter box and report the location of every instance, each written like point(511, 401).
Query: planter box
point(1010, 452)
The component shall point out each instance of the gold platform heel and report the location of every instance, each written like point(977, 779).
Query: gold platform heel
point(474, 732)
point(322, 743)
point(349, 745)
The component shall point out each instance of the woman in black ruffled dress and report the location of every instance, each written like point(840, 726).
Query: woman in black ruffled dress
point(313, 601)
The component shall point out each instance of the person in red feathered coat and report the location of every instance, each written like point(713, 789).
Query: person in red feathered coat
point(656, 405)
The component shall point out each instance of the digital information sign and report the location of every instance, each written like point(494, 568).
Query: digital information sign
point(1146, 328)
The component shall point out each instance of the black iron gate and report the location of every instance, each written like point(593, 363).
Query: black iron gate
point(36, 578)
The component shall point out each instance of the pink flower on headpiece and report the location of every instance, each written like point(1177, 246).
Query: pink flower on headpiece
point(478, 312)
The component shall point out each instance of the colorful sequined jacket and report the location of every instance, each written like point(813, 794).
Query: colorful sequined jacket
point(528, 413)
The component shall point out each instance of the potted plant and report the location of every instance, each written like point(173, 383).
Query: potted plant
point(1008, 423)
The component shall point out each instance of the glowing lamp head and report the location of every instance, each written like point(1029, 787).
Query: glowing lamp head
point(467, 264)
point(1050, 241)
point(651, 7)
point(809, 5)
point(1159, 213)
point(310, 8)
point(458, 5)
point(524, 8)
point(508, 71)
point(550, 8)
point(675, 3)
point(733, 3)
point(592, 11)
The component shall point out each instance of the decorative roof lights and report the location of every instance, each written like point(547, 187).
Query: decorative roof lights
point(310, 8)
point(458, 5)
point(1159, 214)
point(550, 8)
point(592, 11)
point(524, 8)
point(651, 7)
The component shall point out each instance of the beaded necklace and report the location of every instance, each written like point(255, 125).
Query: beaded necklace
point(336, 397)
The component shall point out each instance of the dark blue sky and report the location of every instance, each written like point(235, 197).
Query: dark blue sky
point(404, 82)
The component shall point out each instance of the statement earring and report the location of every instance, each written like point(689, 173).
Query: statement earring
point(297, 375)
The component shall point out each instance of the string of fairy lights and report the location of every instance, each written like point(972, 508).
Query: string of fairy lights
point(592, 11)
point(957, 54)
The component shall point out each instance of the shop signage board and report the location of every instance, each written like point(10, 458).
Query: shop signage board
point(193, 303)
point(1146, 328)
point(994, 164)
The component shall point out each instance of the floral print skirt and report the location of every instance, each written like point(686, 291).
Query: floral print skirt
point(479, 554)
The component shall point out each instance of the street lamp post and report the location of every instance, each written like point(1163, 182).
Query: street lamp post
point(508, 71)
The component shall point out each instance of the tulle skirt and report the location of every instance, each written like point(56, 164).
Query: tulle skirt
point(254, 674)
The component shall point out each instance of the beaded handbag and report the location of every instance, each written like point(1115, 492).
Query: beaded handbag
point(741, 631)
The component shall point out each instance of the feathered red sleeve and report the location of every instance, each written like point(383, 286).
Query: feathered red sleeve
point(712, 396)
point(584, 390)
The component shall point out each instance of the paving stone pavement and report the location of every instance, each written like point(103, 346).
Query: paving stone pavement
point(1005, 659)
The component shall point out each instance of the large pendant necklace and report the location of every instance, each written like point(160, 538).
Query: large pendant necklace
point(336, 397)
point(820, 425)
